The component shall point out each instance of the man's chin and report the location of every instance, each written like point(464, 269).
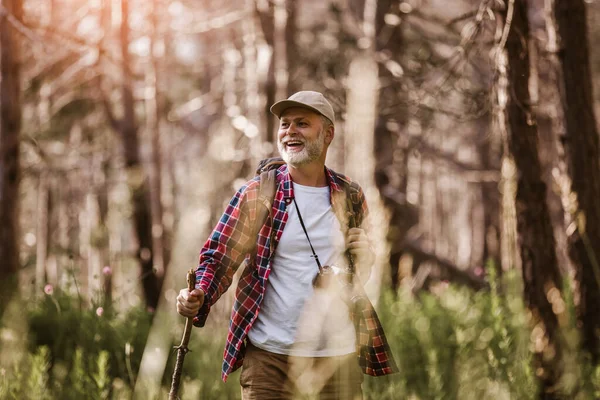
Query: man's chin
point(293, 161)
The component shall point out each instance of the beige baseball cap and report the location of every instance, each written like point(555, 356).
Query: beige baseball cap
point(314, 101)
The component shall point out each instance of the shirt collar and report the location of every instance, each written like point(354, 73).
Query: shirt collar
point(285, 181)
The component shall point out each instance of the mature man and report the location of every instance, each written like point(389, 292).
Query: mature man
point(295, 327)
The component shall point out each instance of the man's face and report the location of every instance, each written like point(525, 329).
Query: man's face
point(302, 138)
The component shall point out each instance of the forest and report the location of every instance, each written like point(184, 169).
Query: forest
point(472, 126)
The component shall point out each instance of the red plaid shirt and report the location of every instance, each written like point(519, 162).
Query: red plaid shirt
point(230, 244)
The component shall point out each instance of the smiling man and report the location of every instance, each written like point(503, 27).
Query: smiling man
point(301, 322)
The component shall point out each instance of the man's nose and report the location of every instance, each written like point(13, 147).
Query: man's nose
point(291, 129)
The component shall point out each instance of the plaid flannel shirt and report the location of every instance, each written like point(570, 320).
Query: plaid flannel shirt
point(230, 244)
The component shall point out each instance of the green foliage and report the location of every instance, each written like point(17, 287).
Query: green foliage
point(30, 379)
point(451, 343)
point(65, 326)
point(82, 351)
point(30, 382)
point(457, 344)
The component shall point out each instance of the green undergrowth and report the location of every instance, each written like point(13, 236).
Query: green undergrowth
point(450, 343)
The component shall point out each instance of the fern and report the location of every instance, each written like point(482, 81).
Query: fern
point(36, 385)
point(101, 377)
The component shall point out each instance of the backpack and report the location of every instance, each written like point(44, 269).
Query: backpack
point(267, 170)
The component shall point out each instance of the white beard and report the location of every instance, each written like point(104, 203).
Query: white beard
point(312, 151)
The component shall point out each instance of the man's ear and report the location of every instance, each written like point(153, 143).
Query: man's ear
point(329, 134)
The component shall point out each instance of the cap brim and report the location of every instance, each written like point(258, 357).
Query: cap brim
point(278, 108)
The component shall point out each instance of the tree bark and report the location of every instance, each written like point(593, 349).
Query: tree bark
point(551, 128)
point(10, 128)
point(581, 150)
point(491, 160)
point(534, 230)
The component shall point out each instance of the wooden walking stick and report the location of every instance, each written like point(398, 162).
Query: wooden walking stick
point(182, 349)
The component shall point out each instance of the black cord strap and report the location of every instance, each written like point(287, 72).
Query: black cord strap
point(316, 257)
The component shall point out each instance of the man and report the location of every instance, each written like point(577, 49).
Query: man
point(291, 334)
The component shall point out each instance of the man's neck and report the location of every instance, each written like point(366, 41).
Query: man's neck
point(309, 175)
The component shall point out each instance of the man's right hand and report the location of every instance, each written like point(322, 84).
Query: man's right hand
point(189, 302)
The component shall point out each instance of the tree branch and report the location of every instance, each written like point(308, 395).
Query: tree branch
point(447, 269)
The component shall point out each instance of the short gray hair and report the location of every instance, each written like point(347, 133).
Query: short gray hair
point(326, 122)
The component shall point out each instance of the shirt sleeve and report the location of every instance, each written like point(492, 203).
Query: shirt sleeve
point(224, 251)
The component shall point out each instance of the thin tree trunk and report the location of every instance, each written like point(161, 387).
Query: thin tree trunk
point(169, 200)
point(41, 233)
point(270, 89)
point(546, 70)
point(52, 264)
point(535, 236)
point(153, 120)
point(491, 160)
point(95, 237)
point(290, 46)
point(102, 179)
point(391, 147)
point(10, 128)
point(359, 144)
point(582, 152)
point(90, 216)
point(73, 199)
point(253, 129)
point(103, 245)
point(138, 181)
point(266, 15)
point(278, 23)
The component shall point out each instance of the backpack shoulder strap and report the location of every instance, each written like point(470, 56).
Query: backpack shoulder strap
point(269, 164)
point(353, 202)
point(353, 209)
point(264, 203)
point(268, 187)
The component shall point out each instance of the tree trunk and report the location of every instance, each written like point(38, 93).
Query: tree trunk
point(291, 49)
point(10, 128)
point(534, 230)
point(52, 261)
point(266, 16)
point(253, 129)
point(42, 233)
point(161, 254)
point(138, 181)
point(582, 152)
point(391, 145)
point(102, 178)
point(546, 92)
point(363, 89)
point(491, 160)
point(103, 240)
point(278, 23)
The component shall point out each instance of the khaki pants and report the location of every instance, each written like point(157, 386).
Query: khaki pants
point(270, 376)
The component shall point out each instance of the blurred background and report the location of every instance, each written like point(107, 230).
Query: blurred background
point(127, 125)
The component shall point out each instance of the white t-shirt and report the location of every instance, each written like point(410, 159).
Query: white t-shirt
point(295, 319)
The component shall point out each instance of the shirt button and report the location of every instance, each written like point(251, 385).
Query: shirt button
point(288, 201)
